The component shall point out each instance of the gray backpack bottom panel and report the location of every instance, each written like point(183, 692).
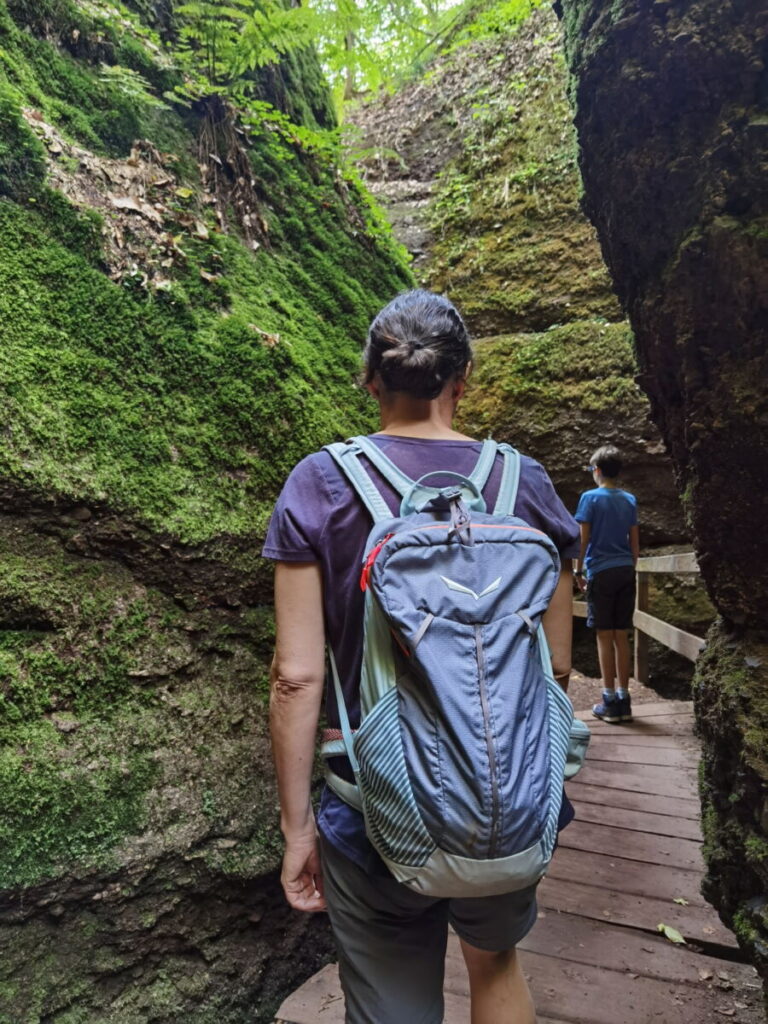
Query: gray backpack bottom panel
point(446, 875)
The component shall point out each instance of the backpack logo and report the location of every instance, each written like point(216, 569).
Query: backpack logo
point(453, 585)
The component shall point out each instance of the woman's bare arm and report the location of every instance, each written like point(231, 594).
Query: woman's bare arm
point(297, 679)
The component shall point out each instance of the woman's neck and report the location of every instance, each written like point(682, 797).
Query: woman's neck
point(404, 416)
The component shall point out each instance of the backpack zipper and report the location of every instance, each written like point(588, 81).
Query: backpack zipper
point(495, 801)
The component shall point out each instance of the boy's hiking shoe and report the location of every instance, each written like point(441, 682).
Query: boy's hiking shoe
point(610, 710)
point(625, 708)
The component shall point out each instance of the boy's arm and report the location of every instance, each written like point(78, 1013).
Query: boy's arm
point(297, 680)
point(634, 543)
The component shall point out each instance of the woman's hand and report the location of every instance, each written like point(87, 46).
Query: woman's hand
point(302, 875)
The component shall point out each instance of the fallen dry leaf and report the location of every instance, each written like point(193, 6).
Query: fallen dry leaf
point(270, 340)
point(136, 206)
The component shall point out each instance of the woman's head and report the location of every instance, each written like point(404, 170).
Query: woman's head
point(418, 343)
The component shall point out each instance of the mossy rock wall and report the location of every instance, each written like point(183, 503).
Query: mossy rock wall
point(476, 163)
point(541, 392)
point(671, 105)
point(164, 361)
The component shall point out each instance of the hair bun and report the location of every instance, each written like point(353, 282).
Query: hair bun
point(417, 344)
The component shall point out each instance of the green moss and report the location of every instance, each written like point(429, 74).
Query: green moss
point(88, 105)
point(54, 812)
point(22, 158)
point(587, 366)
point(165, 407)
point(185, 409)
point(756, 850)
point(512, 246)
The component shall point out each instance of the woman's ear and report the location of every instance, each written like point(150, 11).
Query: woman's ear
point(373, 387)
point(460, 382)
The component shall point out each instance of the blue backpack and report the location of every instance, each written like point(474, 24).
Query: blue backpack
point(465, 738)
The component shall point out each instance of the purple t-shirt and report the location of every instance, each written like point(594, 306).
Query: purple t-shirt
point(319, 518)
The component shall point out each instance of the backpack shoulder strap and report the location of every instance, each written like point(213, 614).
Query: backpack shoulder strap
point(345, 455)
point(510, 478)
point(481, 472)
point(401, 483)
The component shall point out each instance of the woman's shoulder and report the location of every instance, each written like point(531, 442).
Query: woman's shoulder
point(317, 470)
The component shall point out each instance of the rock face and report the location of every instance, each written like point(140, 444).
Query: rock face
point(543, 392)
point(671, 105)
point(476, 166)
point(174, 335)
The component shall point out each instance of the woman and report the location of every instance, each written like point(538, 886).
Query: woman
point(391, 940)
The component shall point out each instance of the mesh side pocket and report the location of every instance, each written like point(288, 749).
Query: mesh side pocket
point(392, 817)
point(560, 720)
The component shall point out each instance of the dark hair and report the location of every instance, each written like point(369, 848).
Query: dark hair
point(417, 343)
point(608, 461)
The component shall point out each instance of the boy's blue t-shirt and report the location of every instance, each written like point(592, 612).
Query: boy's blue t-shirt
point(610, 512)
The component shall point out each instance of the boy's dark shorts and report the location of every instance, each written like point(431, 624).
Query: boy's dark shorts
point(611, 598)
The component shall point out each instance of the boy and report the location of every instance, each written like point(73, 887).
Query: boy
point(610, 545)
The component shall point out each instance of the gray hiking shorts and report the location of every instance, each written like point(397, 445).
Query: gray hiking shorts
point(391, 941)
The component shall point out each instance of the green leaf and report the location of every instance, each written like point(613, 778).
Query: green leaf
point(680, 901)
point(672, 934)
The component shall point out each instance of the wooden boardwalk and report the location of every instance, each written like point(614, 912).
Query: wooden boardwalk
point(630, 862)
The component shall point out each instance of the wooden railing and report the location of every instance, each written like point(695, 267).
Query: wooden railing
point(647, 625)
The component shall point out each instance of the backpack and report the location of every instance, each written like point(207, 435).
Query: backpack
point(465, 738)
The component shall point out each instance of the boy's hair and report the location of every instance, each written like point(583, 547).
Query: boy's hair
point(608, 461)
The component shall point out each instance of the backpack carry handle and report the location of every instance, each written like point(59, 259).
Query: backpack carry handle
point(420, 494)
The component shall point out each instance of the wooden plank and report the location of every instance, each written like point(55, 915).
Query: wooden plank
point(669, 563)
point(633, 876)
point(652, 779)
point(655, 736)
point(602, 748)
point(678, 640)
point(621, 842)
point(639, 821)
point(675, 807)
point(656, 708)
point(319, 998)
point(585, 994)
point(645, 913)
point(572, 937)
point(651, 726)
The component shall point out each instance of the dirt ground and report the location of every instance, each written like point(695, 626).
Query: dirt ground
point(585, 691)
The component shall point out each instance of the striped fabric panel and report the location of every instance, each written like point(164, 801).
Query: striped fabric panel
point(394, 823)
point(560, 717)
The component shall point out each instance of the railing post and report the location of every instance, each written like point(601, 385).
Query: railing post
point(641, 638)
